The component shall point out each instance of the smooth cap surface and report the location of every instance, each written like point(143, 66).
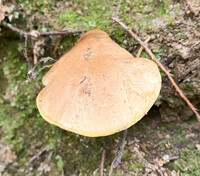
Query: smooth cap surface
point(98, 88)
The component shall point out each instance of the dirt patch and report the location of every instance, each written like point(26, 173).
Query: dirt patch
point(7, 157)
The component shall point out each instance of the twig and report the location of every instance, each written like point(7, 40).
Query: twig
point(173, 158)
point(146, 164)
point(116, 19)
point(35, 33)
point(142, 160)
point(102, 161)
point(64, 32)
point(111, 168)
point(141, 48)
point(21, 32)
point(118, 159)
point(37, 155)
point(33, 74)
point(95, 172)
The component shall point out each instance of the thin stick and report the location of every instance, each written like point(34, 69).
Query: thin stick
point(141, 48)
point(116, 19)
point(64, 32)
point(111, 168)
point(121, 150)
point(36, 33)
point(37, 155)
point(34, 74)
point(143, 160)
point(102, 161)
point(21, 32)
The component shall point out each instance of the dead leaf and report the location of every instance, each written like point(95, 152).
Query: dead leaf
point(144, 147)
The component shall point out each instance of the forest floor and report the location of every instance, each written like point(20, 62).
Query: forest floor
point(165, 142)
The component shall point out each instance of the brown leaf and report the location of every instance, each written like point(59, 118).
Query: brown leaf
point(144, 147)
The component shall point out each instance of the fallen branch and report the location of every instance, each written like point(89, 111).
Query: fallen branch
point(116, 19)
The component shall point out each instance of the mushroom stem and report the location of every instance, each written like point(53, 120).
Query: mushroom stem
point(121, 150)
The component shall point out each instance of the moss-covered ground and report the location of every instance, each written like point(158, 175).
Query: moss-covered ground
point(44, 149)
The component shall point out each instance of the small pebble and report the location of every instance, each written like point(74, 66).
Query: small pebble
point(166, 157)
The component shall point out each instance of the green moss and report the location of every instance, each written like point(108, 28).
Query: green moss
point(22, 127)
point(140, 127)
point(136, 167)
point(184, 140)
point(41, 6)
point(60, 162)
point(94, 14)
point(162, 146)
point(189, 164)
point(145, 55)
point(170, 126)
point(180, 136)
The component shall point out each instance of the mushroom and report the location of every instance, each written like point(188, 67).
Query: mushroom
point(98, 88)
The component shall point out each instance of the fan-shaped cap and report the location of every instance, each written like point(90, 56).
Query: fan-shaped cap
point(98, 88)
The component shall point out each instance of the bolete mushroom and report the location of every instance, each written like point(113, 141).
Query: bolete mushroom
point(98, 88)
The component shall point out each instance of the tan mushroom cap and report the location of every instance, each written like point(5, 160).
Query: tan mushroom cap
point(98, 88)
